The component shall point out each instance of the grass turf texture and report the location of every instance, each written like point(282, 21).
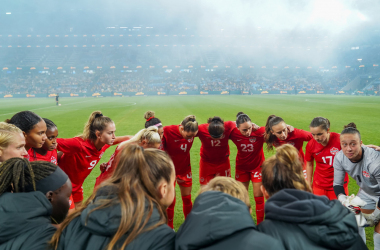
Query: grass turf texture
point(127, 113)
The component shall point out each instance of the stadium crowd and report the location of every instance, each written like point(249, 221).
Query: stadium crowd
point(171, 80)
point(132, 205)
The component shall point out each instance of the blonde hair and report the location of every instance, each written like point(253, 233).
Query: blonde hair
point(7, 133)
point(229, 186)
point(284, 170)
point(96, 122)
point(134, 184)
point(189, 124)
point(149, 134)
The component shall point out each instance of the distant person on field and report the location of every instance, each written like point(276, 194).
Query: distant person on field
point(57, 99)
point(298, 218)
point(221, 219)
point(363, 165)
point(34, 199)
point(128, 210)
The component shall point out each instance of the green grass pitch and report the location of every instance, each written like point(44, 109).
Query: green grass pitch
point(127, 112)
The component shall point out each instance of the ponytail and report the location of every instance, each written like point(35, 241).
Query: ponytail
point(241, 118)
point(149, 134)
point(134, 186)
point(96, 122)
point(284, 170)
point(189, 124)
point(322, 122)
point(269, 136)
point(151, 120)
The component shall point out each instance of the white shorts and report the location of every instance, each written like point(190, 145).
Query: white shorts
point(369, 199)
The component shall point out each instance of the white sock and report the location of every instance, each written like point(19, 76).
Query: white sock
point(362, 233)
point(376, 241)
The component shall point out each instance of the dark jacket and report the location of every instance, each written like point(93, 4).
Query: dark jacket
point(302, 220)
point(25, 221)
point(220, 221)
point(94, 230)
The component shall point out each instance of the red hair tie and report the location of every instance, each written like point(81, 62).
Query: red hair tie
point(150, 118)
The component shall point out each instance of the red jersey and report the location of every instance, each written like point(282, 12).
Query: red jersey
point(324, 159)
point(296, 138)
point(51, 156)
point(215, 150)
point(177, 148)
point(79, 157)
point(111, 164)
point(250, 153)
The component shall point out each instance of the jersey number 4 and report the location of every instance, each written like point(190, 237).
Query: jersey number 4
point(184, 147)
point(327, 157)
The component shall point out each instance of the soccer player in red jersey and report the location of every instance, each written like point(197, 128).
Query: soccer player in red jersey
point(215, 152)
point(146, 138)
point(322, 149)
point(177, 142)
point(33, 128)
point(277, 134)
point(249, 158)
point(82, 153)
point(154, 121)
point(48, 152)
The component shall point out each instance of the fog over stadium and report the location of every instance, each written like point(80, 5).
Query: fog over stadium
point(274, 32)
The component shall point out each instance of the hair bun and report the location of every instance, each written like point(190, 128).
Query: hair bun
point(239, 114)
point(149, 114)
point(98, 115)
point(351, 125)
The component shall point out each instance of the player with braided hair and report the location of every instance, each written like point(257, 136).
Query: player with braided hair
point(82, 153)
point(363, 165)
point(177, 142)
point(12, 142)
point(32, 126)
point(33, 196)
point(215, 152)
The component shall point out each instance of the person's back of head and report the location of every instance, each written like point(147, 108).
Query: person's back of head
point(229, 186)
point(142, 185)
point(283, 170)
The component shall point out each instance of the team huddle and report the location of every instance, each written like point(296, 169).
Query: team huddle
point(132, 206)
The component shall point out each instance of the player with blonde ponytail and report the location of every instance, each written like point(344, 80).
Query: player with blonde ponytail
point(146, 138)
point(83, 152)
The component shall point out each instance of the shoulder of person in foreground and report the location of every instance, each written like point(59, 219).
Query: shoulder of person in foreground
point(25, 221)
point(221, 221)
point(301, 219)
point(95, 228)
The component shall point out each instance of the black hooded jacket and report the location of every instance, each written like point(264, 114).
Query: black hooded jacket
point(93, 231)
point(220, 221)
point(302, 220)
point(25, 221)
